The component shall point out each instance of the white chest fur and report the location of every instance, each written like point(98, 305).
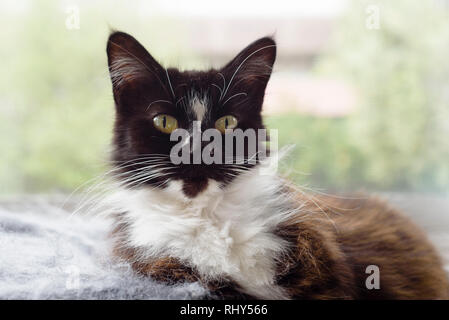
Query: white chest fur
point(221, 232)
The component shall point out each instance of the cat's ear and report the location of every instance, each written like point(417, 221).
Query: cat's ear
point(132, 69)
point(250, 71)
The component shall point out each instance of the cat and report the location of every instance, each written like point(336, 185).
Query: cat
point(241, 233)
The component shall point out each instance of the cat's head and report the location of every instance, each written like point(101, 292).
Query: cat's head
point(152, 101)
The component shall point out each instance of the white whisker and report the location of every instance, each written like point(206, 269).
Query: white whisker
point(165, 101)
point(216, 86)
point(233, 96)
point(224, 85)
point(169, 82)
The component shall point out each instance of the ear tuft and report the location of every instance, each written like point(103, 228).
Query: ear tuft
point(128, 60)
point(250, 70)
point(255, 61)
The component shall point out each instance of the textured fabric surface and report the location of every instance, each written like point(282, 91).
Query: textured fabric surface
point(45, 253)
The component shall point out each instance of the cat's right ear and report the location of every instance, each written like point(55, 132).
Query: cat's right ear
point(132, 69)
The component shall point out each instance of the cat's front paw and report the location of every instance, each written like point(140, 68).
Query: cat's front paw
point(168, 270)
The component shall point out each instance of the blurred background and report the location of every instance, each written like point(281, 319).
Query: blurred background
point(361, 87)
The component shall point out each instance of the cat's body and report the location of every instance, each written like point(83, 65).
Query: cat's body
point(240, 231)
point(292, 245)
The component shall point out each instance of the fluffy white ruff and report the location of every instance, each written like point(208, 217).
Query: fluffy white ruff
point(221, 232)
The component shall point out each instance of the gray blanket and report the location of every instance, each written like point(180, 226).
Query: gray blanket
point(45, 253)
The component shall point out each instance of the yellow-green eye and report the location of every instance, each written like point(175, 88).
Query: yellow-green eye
point(226, 122)
point(165, 123)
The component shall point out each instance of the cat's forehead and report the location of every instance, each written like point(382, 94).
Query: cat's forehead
point(196, 90)
point(195, 102)
point(194, 80)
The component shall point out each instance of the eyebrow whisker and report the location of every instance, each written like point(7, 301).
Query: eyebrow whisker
point(224, 85)
point(218, 87)
point(169, 82)
point(166, 101)
point(179, 100)
point(235, 95)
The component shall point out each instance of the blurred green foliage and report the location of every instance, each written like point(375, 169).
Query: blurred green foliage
point(323, 155)
point(401, 127)
point(56, 106)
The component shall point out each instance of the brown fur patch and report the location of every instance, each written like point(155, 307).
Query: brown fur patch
point(342, 237)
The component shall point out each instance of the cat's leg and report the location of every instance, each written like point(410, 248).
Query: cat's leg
point(315, 268)
point(168, 270)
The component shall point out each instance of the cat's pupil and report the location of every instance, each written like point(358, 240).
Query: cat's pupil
point(226, 123)
point(164, 121)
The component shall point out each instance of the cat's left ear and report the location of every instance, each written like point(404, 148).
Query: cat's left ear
point(134, 72)
point(250, 71)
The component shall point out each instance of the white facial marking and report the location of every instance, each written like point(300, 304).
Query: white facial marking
point(199, 107)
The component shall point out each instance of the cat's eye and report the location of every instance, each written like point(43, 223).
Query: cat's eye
point(165, 123)
point(226, 122)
